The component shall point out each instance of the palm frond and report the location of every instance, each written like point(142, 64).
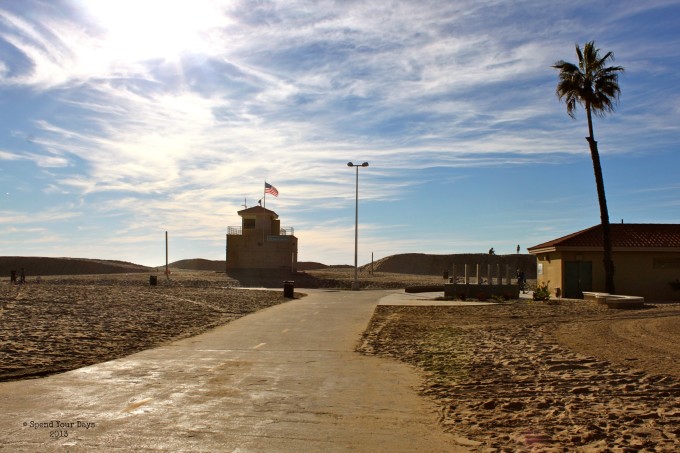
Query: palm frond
point(591, 83)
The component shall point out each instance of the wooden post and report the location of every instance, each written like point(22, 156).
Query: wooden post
point(466, 274)
point(478, 279)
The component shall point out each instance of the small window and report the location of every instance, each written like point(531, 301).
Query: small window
point(248, 224)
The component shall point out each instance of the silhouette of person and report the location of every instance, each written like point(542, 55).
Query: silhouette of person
point(520, 280)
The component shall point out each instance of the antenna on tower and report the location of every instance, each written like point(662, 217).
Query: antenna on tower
point(244, 203)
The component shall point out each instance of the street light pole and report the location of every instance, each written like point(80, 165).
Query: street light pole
point(355, 284)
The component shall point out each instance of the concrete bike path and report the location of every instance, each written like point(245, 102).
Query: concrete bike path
point(285, 379)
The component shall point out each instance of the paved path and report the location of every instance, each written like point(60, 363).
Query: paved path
point(285, 379)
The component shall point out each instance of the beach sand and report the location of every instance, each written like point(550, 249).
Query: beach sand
point(70, 321)
point(65, 323)
point(532, 376)
point(522, 376)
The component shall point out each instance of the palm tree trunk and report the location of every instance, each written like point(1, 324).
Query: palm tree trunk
point(604, 212)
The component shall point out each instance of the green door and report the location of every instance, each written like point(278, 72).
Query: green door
point(578, 277)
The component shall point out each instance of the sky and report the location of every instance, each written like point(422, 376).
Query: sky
point(121, 120)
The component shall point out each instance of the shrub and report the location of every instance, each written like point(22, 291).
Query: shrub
point(542, 292)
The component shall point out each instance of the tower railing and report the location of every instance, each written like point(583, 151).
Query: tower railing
point(238, 231)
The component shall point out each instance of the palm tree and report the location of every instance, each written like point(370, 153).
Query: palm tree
point(593, 85)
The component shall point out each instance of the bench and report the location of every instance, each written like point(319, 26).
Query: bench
point(589, 295)
point(615, 300)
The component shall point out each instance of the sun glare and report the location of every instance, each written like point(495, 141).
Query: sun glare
point(148, 29)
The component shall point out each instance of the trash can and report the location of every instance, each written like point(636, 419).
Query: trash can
point(153, 280)
point(288, 289)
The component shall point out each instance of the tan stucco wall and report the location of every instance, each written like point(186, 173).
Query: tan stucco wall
point(551, 271)
point(263, 223)
point(252, 251)
point(635, 274)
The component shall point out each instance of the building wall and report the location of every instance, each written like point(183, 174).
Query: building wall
point(482, 292)
point(643, 273)
point(255, 251)
point(549, 271)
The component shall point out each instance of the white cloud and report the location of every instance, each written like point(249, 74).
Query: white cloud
point(8, 155)
point(167, 121)
point(51, 215)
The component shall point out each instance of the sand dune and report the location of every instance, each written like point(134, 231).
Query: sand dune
point(42, 266)
point(429, 264)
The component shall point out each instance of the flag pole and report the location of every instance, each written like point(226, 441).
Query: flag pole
point(264, 193)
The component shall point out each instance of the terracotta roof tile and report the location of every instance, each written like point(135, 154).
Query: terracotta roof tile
point(623, 235)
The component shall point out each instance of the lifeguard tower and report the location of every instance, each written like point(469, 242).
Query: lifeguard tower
point(261, 243)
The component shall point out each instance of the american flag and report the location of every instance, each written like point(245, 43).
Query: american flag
point(268, 188)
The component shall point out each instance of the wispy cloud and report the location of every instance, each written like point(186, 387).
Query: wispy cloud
point(165, 116)
point(18, 218)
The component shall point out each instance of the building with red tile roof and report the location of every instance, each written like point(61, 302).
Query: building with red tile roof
point(646, 259)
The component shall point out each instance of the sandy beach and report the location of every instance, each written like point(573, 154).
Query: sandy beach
point(65, 323)
point(528, 376)
point(70, 321)
point(521, 376)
